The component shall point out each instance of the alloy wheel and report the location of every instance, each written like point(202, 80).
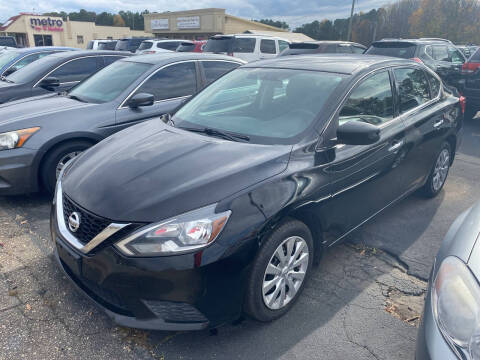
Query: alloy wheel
point(441, 169)
point(285, 272)
point(64, 160)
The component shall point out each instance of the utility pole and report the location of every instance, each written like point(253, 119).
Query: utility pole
point(349, 35)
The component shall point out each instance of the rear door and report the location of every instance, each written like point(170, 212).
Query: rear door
point(171, 85)
point(426, 120)
point(448, 63)
point(366, 178)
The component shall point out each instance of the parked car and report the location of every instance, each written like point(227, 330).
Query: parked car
point(55, 72)
point(467, 50)
point(12, 60)
point(439, 55)
point(246, 46)
point(8, 41)
point(129, 44)
point(62, 125)
point(471, 89)
point(192, 46)
point(450, 327)
point(226, 209)
point(110, 45)
point(159, 46)
point(323, 47)
point(95, 44)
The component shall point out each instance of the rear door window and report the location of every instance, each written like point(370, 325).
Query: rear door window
point(413, 88)
point(343, 49)
point(75, 70)
point(395, 49)
point(371, 101)
point(282, 45)
point(455, 55)
point(357, 49)
point(440, 53)
point(111, 59)
point(174, 81)
point(267, 46)
point(145, 45)
point(244, 45)
point(434, 85)
point(214, 69)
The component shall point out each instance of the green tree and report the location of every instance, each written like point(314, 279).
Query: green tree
point(279, 24)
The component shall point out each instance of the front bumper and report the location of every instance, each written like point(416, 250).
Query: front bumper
point(157, 293)
point(431, 344)
point(18, 171)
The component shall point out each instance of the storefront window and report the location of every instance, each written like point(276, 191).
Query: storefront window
point(43, 40)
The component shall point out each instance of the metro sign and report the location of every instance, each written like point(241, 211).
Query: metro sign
point(46, 24)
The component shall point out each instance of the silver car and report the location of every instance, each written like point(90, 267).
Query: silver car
point(450, 328)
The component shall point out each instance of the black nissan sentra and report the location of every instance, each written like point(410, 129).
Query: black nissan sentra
point(224, 210)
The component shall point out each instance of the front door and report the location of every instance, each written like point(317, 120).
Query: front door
point(365, 178)
point(171, 86)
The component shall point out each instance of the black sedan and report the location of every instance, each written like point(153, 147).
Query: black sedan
point(56, 72)
point(187, 226)
point(39, 135)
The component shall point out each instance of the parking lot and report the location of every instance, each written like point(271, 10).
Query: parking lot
point(362, 302)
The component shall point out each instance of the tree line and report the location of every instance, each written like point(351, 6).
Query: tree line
point(134, 20)
point(456, 20)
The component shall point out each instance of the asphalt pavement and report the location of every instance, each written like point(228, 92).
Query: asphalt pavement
point(362, 302)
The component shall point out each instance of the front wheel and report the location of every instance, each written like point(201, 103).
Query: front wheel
point(56, 160)
point(279, 271)
point(439, 173)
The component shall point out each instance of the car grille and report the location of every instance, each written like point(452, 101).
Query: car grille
point(90, 224)
point(175, 312)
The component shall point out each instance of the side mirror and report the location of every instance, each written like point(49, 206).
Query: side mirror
point(49, 83)
point(357, 133)
point(141, 99)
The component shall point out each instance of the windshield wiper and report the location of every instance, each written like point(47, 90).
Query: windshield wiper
point(215, 132)
point(75, 97)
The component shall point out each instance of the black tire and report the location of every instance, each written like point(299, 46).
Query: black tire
point(254, 305)
point(48, 174)
point(429, 190)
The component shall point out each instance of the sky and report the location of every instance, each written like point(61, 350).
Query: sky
point(294, 12)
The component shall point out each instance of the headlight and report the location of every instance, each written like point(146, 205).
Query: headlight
point(456, 306)
point(183, 233)
point(16, 139)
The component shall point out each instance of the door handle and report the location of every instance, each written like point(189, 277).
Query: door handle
point(397, 144)
point(438, 123)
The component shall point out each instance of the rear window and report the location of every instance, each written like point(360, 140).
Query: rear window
point(395, 49)
point(186, 47)
point(168, 45)
point(145, 45)
point(122, 45)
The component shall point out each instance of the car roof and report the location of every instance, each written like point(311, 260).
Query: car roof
point(80, 53)
point(165, 58)
point(44, 48)
point(415, 41)
point(337, 63)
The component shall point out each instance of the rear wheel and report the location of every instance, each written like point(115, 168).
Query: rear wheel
point(279, 271)
point(56, 159)
point(439, 173)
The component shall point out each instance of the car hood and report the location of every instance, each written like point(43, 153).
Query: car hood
point(31, 111)
point(152, 171)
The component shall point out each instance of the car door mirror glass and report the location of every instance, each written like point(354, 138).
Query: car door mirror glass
point(141, 99)
point(49, 83)
point(357, 133)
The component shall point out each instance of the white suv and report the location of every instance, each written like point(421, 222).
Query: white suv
point(246, 46)
point(159, 46)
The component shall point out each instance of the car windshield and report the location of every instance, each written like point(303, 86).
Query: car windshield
point(395, 49)
point(7, 56)
point(145, 45)
point(109, 82)
point(270, 106)
point(34, 70)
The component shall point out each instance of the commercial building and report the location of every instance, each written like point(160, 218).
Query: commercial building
point(37, 30)
point(202, 23)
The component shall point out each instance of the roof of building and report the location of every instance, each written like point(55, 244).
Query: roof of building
point(10, 21)
point(290, 36)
